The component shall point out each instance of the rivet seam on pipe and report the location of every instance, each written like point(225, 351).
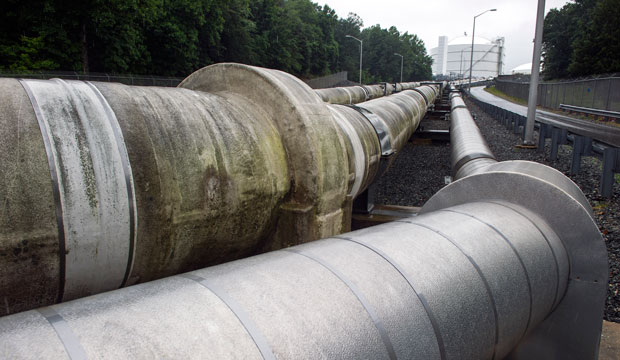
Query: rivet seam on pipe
point(527, 276)
point(478, 270)
point(129, 181)
point(237, 309)
point(418, 294)
point(72, 345)
point(55, 189)
point(360, 296)
point(555, 259)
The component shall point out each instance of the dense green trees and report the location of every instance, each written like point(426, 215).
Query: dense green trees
point(176, 37)
point(582, 38)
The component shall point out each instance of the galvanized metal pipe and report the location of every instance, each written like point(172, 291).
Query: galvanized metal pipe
point(108, 185)
point(469, 151)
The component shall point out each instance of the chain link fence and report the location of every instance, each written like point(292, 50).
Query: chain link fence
point(139, 80)
point(600, 93)
point(328, 81)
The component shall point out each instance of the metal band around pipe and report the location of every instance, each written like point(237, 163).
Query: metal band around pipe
point(129, 182)
point(514, 250)
point(380, 128)
point(469, 157)
point(51, 160)
point(91, 179)
point(244, 318)
point(418, 294)
point(65, 334)
point(360, 296)
point(423, 95)
point(478, 270)
point(542, 233)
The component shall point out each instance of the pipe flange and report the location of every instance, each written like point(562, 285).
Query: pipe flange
point(309, 134)
point(573, 329)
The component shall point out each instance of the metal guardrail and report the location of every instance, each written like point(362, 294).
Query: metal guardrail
point(589, 111)
point(585, 139)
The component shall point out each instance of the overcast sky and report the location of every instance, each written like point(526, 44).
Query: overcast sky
point(514, 19)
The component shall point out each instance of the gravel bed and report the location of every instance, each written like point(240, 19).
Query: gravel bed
point(417, 173)
point(419, 170)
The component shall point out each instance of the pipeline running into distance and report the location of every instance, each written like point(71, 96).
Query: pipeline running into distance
point(106, 185)
point(505, 262)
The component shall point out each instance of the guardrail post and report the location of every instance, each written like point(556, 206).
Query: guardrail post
point(516, 124)
point(555, 137)
point(610, 159)
point(543, 134)
point(578, 147)
point(563, 136)
point(587, 146)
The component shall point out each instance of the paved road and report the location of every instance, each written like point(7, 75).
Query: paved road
point(607, 134)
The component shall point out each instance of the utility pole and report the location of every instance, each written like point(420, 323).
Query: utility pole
point(528, 139)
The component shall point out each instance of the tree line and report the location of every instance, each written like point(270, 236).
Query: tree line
point(582, 38)
point(177, 37)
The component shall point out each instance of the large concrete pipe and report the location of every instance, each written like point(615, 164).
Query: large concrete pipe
point(106, 185)
point(483, 273)
point(360, 93)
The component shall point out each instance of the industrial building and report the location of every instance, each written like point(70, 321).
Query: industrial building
point(452, 57)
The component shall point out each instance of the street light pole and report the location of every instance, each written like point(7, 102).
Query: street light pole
point(528, 136)
point(361, 45)
point(473, 36)
point(401, 66)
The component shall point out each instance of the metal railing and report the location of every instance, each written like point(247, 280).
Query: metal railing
point(585, 140)
point(589, 111)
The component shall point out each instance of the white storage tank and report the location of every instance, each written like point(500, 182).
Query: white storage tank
point(488, 57)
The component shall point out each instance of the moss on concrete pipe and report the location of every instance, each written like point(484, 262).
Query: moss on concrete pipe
point(106, 185)
point(357, 94)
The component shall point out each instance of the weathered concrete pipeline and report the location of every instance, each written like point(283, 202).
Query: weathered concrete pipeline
point(504, 263)
point(105, 185)
point(360, 93)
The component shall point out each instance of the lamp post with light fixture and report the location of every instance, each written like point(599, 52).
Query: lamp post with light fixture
point(473, 36)
point(361, 44)
point(401, 66)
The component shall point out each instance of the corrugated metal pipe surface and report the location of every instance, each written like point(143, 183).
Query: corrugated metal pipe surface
point(501, 263)
point(106, 185)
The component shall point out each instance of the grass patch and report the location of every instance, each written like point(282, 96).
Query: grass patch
point(495, 91)
point(617, 177)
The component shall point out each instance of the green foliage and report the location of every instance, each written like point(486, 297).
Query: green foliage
point(177, 37)
point(581, 39)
